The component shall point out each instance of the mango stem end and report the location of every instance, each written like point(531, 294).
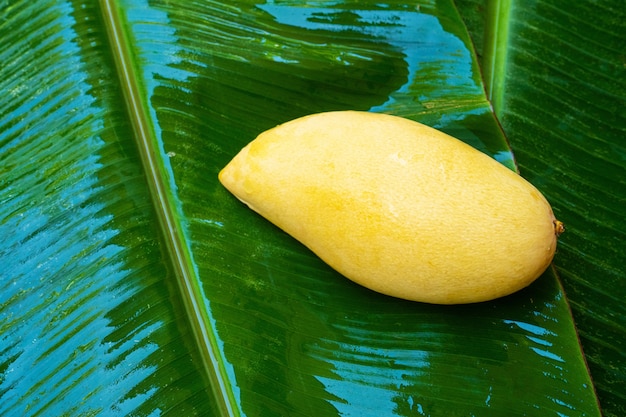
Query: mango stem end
point(559, 227)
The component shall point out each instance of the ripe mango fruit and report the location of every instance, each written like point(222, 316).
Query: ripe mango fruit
point(397, 206)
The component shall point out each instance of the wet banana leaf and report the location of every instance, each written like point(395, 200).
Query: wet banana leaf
point(132, 283)
point(560, 92)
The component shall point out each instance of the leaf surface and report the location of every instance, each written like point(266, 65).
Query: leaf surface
point(563, 98)
point(133, 283)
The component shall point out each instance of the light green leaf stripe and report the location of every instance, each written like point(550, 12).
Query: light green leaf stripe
point(162, 190)
point(498, 16)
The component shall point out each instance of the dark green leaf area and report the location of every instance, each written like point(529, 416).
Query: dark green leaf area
point(297, 338)
point(87, 323)
point(317, 339)
point(565, 115)
point(288, 320)
point(474, 13)
point(92, 321)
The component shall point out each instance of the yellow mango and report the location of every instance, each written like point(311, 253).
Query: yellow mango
point(397, 206)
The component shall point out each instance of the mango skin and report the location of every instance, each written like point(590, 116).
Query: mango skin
point(397, 206)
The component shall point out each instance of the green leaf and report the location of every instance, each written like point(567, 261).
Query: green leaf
point(564, 109)
point(132, 283)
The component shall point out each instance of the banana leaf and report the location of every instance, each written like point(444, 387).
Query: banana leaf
point(132, 283)
point(561, 91)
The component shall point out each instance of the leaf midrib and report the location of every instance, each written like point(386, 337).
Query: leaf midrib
point(495, 48)
point(167, 212)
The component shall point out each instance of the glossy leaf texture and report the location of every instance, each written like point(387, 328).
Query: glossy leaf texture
point(563, 106)
point(88, 325)
point(132, 283)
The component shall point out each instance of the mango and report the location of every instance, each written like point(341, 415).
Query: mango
point(397, 206)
